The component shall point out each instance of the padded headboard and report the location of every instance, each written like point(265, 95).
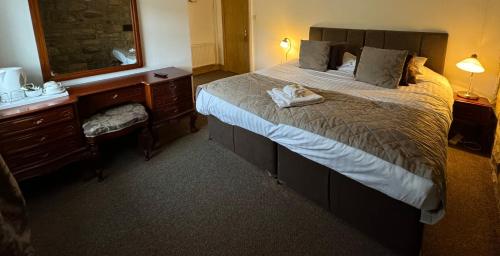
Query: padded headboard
point(426, 44)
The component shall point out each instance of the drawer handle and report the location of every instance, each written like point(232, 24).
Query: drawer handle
point(115, 96)
point(45, 155)
point(40, 121)
point(44, 138)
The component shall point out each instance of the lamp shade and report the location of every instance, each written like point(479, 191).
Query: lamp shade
point(285, 43)
point(471, 64)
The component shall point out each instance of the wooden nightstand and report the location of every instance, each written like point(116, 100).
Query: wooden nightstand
point(475, 120)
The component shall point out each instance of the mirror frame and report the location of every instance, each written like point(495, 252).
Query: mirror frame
point(44, 56)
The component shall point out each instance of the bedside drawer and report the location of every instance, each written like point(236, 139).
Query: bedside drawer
point(174, 110)
point(93, 103)
point(41, 155)
point(471, 113)
point(36, 121)
point(174, 88)
point(22, 142)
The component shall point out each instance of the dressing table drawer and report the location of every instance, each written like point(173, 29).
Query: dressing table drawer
point(36, 121)
point(91, 104)
point(25, 141)
point(42, 154)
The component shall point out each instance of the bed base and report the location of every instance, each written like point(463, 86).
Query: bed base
point(394, 224)
point(256, 149)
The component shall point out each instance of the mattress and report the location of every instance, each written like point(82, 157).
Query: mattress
point(356, 164)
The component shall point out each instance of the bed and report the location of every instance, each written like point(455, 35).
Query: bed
point(361, 154)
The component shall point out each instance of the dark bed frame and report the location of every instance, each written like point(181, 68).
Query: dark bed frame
point(393, 223)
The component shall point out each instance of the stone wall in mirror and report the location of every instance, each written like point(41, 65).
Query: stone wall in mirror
point(83, 35)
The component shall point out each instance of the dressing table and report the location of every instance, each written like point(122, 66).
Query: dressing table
point(39, 138)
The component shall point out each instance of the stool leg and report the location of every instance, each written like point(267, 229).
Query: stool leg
point(146, 141)
point(96, 161)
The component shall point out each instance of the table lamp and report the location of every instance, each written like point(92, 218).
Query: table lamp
point(287, 45)
point(473, 66)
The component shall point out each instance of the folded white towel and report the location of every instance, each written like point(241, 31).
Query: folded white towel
point(294, 91)
point(284, 101)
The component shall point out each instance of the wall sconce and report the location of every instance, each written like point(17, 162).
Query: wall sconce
point(287, 45)
point(473, 66)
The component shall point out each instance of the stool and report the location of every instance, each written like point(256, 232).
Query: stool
point(116, 122)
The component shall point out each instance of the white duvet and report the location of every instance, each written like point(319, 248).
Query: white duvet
point(365, 168)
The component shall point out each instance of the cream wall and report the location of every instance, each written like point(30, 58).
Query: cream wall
point(205, 21)
point(164, 30)
point(202, 15)
point(17, 40)
point(473, 27)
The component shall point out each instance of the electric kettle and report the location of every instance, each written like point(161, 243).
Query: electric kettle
point(13, 79)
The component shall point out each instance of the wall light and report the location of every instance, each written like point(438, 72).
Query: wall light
point(473, 66)
point(287, 45)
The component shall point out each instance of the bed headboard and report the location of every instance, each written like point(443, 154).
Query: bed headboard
point(426, 44)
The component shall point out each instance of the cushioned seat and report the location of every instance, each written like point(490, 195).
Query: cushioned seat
point(114, 119)
point(115, 122)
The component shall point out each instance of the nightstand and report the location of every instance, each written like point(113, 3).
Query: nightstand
point(475, 120)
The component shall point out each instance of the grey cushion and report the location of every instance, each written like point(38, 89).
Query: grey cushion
point(314, 55)
point(381, 67)
point(114, 119)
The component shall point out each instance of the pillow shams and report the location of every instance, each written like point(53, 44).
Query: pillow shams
point(381, 67)
point(314, 55)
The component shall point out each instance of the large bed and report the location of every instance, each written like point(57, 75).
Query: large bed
point(375, 157)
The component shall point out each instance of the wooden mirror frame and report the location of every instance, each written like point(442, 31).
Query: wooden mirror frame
point(44, 56)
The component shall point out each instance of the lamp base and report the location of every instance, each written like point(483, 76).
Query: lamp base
point(467, 95)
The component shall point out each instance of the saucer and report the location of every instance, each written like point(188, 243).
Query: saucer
point(54, 91)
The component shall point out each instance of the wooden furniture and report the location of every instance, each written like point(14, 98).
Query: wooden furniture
point(168, 99)
point(38, 138)
point(43, 52)
point(116, 122)
point(476, 121)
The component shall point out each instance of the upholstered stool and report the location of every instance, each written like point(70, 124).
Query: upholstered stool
point(116, 122)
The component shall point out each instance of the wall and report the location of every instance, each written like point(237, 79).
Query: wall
point(17, 40)
point(82, 35)
point(471, 24)
point(205, 21)
point(164, 30)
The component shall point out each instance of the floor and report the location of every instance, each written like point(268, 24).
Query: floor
point(211, 76)
point(196, 198)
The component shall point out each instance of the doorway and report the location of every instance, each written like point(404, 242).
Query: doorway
point(219, 35)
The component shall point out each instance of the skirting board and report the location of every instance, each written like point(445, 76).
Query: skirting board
point(206, 69)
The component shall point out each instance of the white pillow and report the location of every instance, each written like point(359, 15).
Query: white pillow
point(420, 62)
point(348, 59)
point(348, 63)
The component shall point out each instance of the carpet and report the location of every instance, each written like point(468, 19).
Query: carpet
point(197, 198)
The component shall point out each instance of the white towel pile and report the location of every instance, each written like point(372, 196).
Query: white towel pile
point(294, 96)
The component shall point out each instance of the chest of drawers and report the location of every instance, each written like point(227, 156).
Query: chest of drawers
point(41, 141)
point(171, 99)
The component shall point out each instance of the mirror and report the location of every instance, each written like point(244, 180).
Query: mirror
point(79, 38)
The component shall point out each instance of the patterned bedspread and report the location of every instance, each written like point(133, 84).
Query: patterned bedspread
point(412, 138)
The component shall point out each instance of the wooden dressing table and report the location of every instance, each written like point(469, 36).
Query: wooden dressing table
point(38, 138)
